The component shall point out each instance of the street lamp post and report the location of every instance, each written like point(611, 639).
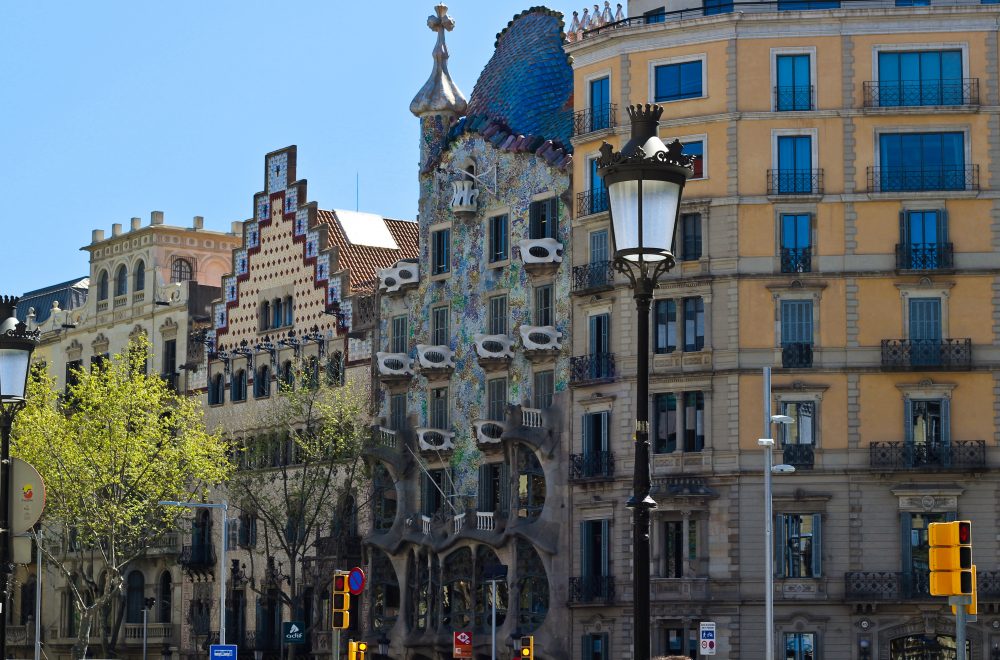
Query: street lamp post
point(644, 182)
point(16, 346)
point(224, 505)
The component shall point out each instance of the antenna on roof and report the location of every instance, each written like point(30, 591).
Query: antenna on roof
point(357, 190)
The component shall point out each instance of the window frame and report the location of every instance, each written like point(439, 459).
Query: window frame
point(543, 305)
point(498, 239)
point(399, 333)
point(702, 138)
point(694, 341)
point(493, 319)
point(440, 251)
point(551, 222)
point(497, 395)
point(795, 50)
point(539, 395)
point(439, 332)
point(693, 219)
point(438, 414)
point(679, 60)
point(785, 558)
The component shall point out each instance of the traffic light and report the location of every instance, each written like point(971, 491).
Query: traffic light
point(356, 650)
point(950, 558)
point(341, 601)
point(528, 648)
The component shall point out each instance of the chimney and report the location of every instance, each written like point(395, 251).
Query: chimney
point(136, 223)
point(199, 222)
point(237, 228)
point(156, 218)
point(116, 229)
point(96, 236)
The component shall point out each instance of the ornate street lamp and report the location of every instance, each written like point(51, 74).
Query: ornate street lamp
point(644, 181)
point(16, 346)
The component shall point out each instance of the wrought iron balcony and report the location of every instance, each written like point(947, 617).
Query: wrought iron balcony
point(595, 119)
point(795, 182)
point(593, 276)
point(364, 313)
point(925, 354)
point(924, 256)
point(796, 355)
point(198, 557)
point(593, 466)
point(801, 457)
point(594, 368)
point(915, 179)
point(793, 97)
point(956, 455)
point(891, 94)
point(796, 260)
point(592, 589)
point(590, 202)
point(886, 586)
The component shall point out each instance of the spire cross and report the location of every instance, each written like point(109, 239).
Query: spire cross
point(442, 21)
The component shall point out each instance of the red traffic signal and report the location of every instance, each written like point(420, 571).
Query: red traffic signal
point(964, 532)
point(339, 582)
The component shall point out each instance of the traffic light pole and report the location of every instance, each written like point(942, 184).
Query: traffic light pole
point(335, 644)
point(961, 618)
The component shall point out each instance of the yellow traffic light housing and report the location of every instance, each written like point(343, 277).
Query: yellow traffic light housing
point(352, 650)
point(362, 649)
point(528, 647)
point(950, 558)
point(341, 602)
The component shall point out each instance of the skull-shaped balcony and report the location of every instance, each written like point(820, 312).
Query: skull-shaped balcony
point(541, 256)
point(435, 359)
point(403, 274)
point(494, 351)
point(394, 367)
point(464, 197)
point(488, 433)
point(540, 341)
point(429, 439)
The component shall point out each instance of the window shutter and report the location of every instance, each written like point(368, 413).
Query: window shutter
point(585, 648)
point(605, 650)
point(504, 488)
point(905, 555)
point(946, 432)
point(585, 563)
point(780, 545)
point(588, 433)
point(484, 488)
point(817, 546)
point(605, 548)
point(553, 217)
point(908, 420)
point(904, 230)
point(602, 444)
point(942, 226)
point(533, 220)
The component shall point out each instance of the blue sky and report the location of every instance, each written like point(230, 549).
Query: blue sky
point(114, 109)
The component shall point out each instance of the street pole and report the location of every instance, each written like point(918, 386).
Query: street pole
point(145, 624)
point(960, 604)
point(494, 624)
point(222, 572)
point(768, 522)
point(38, 595)
point(6, 566)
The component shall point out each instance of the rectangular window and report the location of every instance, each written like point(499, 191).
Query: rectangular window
point(794, 85)
point(599, 343)
point(544, 389)
point(800, 646)
point(436, 487)
point(543, 305)
point(440, 330)
point(600, 104)
point(796, 322)
point(494, 488)
point(922, 161)
point(399, 334)
point(497, 318)
point(397, 411)
point(674, 82)
point(796, 243)
point(658, 15)
point(802, 5)
point(712, 7)
point(599, 247)
point(801, 430)
point(676, 551)
point(694, 421)
point(664, 423)
point(694, 324)
point(496, 395)
point(595, 433)
point(596, 542)
point(675, 640)
point(543, 219)
point(598, 200)
point(696, 149)
point(797, 545)
point(930, 77)
point(440, 251)
point(924, 240)
point(795, 166)
point(498, 238)
point(596, 646)
point(72, 373)
point(690, 236)
point(665, 330)
point(927, 427)
point(925, 332)
point(439, 408)
point(169, 357)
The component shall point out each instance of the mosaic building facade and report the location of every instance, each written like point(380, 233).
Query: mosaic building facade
point(472, 360)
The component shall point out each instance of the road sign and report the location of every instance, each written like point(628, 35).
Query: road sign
point(356, 581)
point(293, 632)
point(462, 647)
point(494, 572)
point(27, 496)
point(707, 630)
point(222, 652)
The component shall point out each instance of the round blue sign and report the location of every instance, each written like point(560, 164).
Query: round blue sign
point(356, 581)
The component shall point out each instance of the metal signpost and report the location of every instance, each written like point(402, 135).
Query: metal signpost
point(493, 574)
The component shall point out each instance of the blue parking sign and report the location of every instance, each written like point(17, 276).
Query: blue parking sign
point(222, 652)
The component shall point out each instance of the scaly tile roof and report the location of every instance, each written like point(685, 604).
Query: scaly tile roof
point(364, 261)
point(69, 295)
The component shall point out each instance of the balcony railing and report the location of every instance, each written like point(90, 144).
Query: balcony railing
point(922, 354)
point(924, 256)
point(796, 355)
point(956, 455)
point(592, 589)
point(795, 182)
point(793, 97)
point(364, 313)
point(593, 466)
point(801, 457)
point(590, 202)
point(595, 119)
point(592, 276)
point(595, 368)
point(796, 260)
point(196, 557)
point(896, 93)
point(915, 179)
point(886, 585)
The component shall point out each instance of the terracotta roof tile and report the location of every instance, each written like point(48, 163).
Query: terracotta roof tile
point(364, 261)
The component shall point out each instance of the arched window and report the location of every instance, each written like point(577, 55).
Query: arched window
point(384, 498)
point(238, 389)
point(121, 280)
point(276, 316)
point(180, 271)
point(134, 597)
point(262, 382)
point(486, 557)
point(216, 390)
point(335, 369)
point(139, 276)
point(456, 590)
point(384, 592)
point(531, 484)
point(265, 315)
point(102, 285)
point(164, 598)
point(532, 588)
point(288, 374)
point(289, 309)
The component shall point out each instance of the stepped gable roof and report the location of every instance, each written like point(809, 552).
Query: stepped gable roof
point(69, 295)
point(365, 254)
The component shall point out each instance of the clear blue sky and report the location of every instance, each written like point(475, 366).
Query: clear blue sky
point(114, 109)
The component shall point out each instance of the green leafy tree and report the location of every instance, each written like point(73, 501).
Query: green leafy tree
point(117, 443)
point(300, 477)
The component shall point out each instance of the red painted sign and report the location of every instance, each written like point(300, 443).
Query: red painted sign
point(462, 648)
point(356, 581)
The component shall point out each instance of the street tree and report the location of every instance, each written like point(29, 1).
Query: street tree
point(110, 448)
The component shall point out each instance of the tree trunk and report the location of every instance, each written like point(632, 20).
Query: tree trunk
point(83, 633)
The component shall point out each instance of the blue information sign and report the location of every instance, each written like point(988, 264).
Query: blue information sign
point(222, 652)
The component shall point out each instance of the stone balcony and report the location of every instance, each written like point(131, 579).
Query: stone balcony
point(432, 439)
point(394, 366)
point(488, 433)
point(540, 341)
point(435, 358)
point(494, 351)
point(541, 256)
point(405, 273)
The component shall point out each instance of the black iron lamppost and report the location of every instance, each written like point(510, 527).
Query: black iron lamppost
point(16, 346)
point(644, 181)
